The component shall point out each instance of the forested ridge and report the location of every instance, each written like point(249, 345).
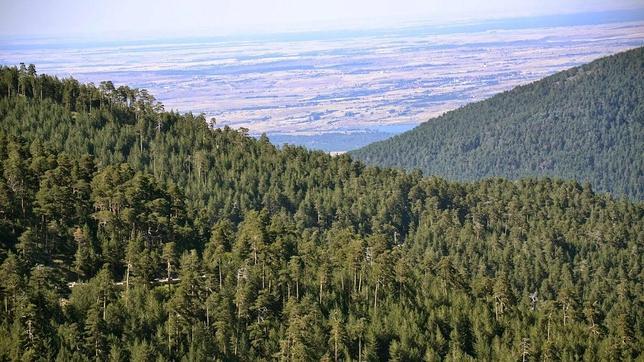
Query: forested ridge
point(132, 233)
point(585, 123)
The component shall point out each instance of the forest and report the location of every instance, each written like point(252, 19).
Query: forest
point(585, 123)
point(128, 232)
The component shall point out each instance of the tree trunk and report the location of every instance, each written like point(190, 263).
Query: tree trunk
point(219, 268)
point(335, 348)
point(548, 329)
point(355, 279)
point(375, 299)
point(169, 284)
point(127, 281)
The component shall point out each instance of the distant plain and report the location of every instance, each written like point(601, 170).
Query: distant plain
point(334, 91)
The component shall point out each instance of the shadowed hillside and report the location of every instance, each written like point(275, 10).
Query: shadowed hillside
point(586, 123)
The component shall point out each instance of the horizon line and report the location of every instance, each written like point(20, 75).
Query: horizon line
point(427, 26)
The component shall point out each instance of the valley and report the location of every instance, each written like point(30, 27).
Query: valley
point(336, 91)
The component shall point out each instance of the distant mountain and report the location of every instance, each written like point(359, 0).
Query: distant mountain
point(585, 123)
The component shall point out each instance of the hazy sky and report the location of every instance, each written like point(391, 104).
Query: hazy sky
point(140, 18)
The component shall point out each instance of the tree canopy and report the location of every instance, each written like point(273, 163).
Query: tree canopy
point(585, 123)
point(132, 233)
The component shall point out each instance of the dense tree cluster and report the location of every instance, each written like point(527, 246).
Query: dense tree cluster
point(586, 123)
point(131, 233)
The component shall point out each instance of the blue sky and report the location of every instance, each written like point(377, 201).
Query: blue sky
point(114, 19)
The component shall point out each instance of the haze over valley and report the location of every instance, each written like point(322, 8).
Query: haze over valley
point(338, 91)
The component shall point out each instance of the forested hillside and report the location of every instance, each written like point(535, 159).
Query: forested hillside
point(586, 123)
point(131, 233)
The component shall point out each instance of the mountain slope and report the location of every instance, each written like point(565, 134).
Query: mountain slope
point(130, 233)
point(585, 123)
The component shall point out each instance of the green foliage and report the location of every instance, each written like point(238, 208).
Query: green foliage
point(131, 233)
point(585, 123)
